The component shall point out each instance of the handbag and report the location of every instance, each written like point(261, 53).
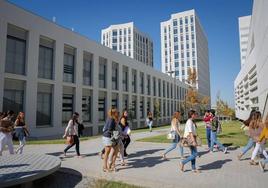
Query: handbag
point(115, 137)
point(171, 135)
point(188, 142)
point(69, 140)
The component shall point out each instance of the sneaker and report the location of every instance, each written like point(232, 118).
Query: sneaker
point(261, 165)
point(225, 150)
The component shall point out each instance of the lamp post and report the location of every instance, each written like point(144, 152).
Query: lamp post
point(174, 84)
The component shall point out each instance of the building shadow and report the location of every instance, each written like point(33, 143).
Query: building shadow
point(214, 165)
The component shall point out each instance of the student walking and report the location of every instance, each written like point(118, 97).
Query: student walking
point(260, 143)
point(175, 129)
point(207, 119)
point(191, 134)
point(256, 127)
point(6, 128)
point(251, 142)
point(71, 133)
point(149, 120)
point(110, 139)
point(125, 131)
point(21, 131)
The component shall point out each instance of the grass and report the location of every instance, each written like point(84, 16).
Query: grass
point(111, 184)
point(231, 135)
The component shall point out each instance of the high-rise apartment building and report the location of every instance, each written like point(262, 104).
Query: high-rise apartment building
point(184, 46)
point(250, 85)
point(244, 24)
point(128, 40)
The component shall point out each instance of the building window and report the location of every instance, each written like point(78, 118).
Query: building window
point(141, 107)
point(87, 106)
point(125, 78)
point(176, 56)
point(114, 40)
point(192, 19)
point(141, 83)
point(176, 47)
point(13, 95)
point(193, 45)
point(177, 73)
point(192, 36)
point(115, 76)
point(168, 90)
point(68, 71)
point(192, 28)
point(154, 86)
point(67, 107)
point(15, 50)
point(102, 106)
point(114, 33)
point(134, 107)
point(102, 72)
point(176, 64)
point(134, 81)
point(115, 100)
point(159, 88)
point(175, 39)
point(148, 85)
point(87, 68)
point(164, 89)
point(44, 105)
point(187, 37)
point(186, 20)
point(181, 23)
point(175, 31)
point(175, 23)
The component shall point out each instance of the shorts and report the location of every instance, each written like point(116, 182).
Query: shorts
point(107, 141)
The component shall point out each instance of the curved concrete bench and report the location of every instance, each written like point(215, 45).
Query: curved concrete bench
point(25, 168)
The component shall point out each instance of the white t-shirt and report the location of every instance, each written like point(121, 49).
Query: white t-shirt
point(189, 128)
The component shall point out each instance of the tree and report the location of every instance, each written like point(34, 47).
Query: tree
point(204, 102)
point(223, 109)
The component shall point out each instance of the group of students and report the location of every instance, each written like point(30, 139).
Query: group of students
point(10, 129)
point(258, 135)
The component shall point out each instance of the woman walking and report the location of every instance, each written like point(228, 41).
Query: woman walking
point(251, 142)
point(71, 132)
point(190, 132)
point(21, 131)
point(207, 119)
point(256, 127)
point(149, 120)
point(6, 128)
point(110, 139)
point(126, 131)
point(214, 128)
point(175, 129)
point(262, 139)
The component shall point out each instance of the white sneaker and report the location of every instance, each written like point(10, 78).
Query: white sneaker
point(225, 150)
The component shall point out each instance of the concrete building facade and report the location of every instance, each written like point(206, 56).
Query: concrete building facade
point(251, 85)
point(184, 46)
point(128, 40)
point(244, 26)
point(49, 72)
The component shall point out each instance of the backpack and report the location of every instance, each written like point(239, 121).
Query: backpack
point(81, 127)
point(214, 124)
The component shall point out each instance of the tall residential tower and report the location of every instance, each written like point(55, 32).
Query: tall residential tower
point(184, 45)
point(128, 40)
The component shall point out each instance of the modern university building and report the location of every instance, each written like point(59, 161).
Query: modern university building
point(251, 83)
point(49, 72)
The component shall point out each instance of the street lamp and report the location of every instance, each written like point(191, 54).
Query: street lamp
point(174, 97)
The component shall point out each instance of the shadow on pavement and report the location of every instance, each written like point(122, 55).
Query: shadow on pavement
point(144, 152)
point(214, 165)
point(145, 162)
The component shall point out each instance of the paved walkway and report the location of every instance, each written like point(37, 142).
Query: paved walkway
point(146, 168)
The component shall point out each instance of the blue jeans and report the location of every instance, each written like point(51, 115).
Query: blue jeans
point(214, 140)
point(208, 133)
point(174, 145)
point(249, 145)
point(191, 157)
point(265, 161)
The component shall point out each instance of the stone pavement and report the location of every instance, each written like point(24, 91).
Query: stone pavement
point(146, 168)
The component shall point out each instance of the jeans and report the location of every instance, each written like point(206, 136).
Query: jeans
point(214, 140)
point(174, 145)
point(21, 146)
point(191, 157)
point(265, 161)
point(249, 145)
point(6, 139)
point(76, 143)
point(208, 133)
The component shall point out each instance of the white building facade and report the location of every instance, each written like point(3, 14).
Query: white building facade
point(184, 45)
point(244, 26)
point(49, 72)
point(251, 84)
point(128, 40)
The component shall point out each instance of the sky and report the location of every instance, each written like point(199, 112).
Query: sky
point(219, 19)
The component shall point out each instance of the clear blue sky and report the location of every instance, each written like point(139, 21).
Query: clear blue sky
point(218, 17)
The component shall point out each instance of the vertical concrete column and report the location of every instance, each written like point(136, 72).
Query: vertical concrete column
point(95, 113)
point(78, 80)
point(58, 88)
point(3, 38)
point(32, 52)
point(109, 84)
point(138, 97)
point(120, 88)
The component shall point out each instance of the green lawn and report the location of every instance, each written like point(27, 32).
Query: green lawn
point(111, 184)
point(231, 135)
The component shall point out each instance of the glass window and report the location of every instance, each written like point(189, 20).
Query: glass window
point(176, 47)
point(86, 107)
point(101, 106)
point(192, 28)
point(177, 73)
point(192, 19)
point(102, 72)
point(159, 88)
point(186, 20)
point(187, 37)
point(44, 105)
point(114, 100)
point(154, 86)
point(68, 71)
point(114, 40)
point(141, 83)
point(87, 68)
point(114, 33)
point(148, 85)
point(115, 76)
point(67, 107)
point(134, 81)
point(193, 45)
point(181, 21)
point(175, 31)
point(15, 55)
point(134, 107)
point(175, 39)
point(186, 29)
point(141, 107)
point(176, 56)
point(125, 79)
point(164, 89)
point(175, 23)
point(45, 63)
point(13, 95)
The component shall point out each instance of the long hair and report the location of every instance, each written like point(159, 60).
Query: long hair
point(19, 118)
point(191, 113)
point(256, 120)
point(113, 113)
point(266, 121)
point(247, 122)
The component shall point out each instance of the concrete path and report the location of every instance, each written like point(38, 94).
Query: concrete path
point(146, 168)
